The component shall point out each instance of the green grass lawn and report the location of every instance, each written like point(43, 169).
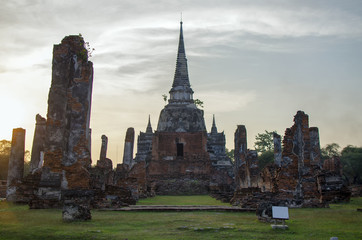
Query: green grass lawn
point(341, 220)
point(182, 200)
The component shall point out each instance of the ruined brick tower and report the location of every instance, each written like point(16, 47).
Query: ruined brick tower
point(65, 178)
point(180, 163)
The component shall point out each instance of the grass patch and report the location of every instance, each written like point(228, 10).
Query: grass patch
point(182, 200)
point(341, 220)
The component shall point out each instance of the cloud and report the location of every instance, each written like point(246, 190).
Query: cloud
point(3, 69)
point(225, 101)
point(240, 53)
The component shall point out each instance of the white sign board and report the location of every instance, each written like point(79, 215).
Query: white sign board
point(280, 212)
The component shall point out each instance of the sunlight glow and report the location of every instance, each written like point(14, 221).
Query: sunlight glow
point(14, 112)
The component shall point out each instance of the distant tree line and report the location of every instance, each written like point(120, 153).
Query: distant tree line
point(5, 147)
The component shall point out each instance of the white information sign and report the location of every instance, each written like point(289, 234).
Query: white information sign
point(280, 212)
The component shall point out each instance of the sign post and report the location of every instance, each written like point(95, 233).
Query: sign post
point(280, 213)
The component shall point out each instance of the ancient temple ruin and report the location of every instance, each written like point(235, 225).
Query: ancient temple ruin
point(180, 163)
point(296, 178)
point(180, 157)
point(144, 144)
point(222, 182)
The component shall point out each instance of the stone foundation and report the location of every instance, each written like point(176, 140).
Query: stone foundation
point(185, 185)
point(76, 205)
point(332, 188)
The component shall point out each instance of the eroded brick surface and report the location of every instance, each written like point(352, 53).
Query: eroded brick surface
point(179, 170)
point(66, 148)
point(295, 178)
point(246, 161)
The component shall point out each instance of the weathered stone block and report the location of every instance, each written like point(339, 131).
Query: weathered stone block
point(76, 205)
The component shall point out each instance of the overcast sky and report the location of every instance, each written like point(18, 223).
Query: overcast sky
point(254, 63)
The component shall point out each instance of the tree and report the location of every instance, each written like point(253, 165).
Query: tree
point(199, 103)
point(265, 158)
point(164, 96)
point(230, 154)
point(351, 159)
point(264, 142)
point(330, 150)
point(5, 148)
point(264, 145)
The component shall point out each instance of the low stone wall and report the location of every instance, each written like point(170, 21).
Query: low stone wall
point(332, 188)
point(113, 197)
point(223, 193)
point(185, 185)
point(356, 190)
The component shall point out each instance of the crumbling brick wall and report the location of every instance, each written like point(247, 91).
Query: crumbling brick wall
point(180, 163)
point(246, 161)
point(296, 178)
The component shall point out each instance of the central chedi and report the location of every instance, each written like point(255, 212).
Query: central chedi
point(180, 157)
point(181, 113)
point(180, 163)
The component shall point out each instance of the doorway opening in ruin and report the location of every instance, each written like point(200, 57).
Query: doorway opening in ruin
point(180, 149)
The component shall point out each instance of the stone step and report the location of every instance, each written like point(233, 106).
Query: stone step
point(178, 208)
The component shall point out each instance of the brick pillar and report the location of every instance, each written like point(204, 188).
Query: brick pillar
point(89, 140)
point(103, 153)
point(128, 147)
point(277, 149)
point(315, 149)
point(16, 164)
point(37, 152)
point(240, 151)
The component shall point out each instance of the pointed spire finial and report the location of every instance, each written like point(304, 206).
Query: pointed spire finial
point(181, 92)
point(181, 18)
point(149, 127)
point(213, 128)
point(181, 77)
